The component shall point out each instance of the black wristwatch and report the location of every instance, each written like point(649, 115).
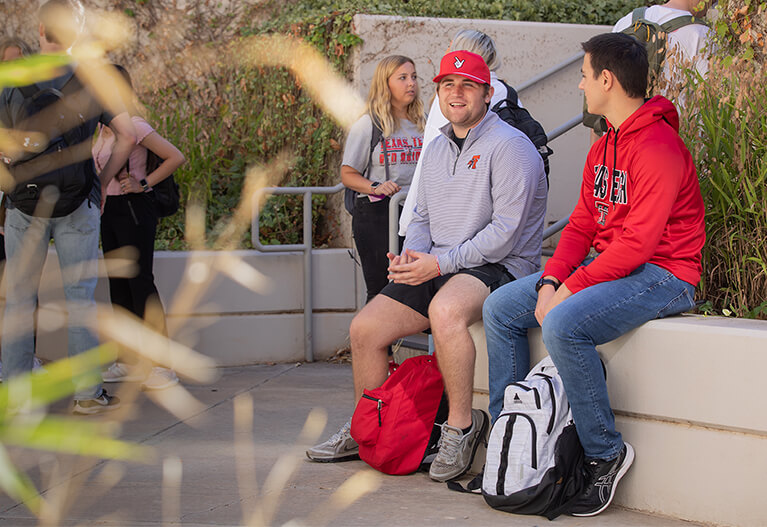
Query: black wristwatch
point(144, 184)
point(543, 281)
point(374, 185)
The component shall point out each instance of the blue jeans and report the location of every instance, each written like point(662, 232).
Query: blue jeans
point(571, 331)
point(26, 243)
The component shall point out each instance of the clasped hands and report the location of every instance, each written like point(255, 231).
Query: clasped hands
point(412, 267)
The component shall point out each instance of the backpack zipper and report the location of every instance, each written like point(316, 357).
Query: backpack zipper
point(553, 401)
point(500, 484)
point(379, 405)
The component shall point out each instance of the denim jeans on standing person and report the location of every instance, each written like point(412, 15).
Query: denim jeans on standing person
point(571, 331)
point(76, 237)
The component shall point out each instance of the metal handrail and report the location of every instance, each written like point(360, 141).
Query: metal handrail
point(396, 199)
point(305, 247)
point(549, 72)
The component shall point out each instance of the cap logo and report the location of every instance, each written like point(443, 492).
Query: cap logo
point(458, 63)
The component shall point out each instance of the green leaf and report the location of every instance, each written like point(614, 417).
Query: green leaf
point(17, 485)
point(36, 68)
point(71, 436)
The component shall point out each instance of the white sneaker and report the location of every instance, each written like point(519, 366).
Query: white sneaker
point(340, 447)
point(160, 379)
point(121, 372)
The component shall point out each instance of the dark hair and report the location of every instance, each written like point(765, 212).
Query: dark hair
point(60, 19)
point(13, 42)
point(124, 73)
point(623, 56)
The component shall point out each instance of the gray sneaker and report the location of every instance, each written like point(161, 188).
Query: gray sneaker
point(340, 447)
point(456, 449)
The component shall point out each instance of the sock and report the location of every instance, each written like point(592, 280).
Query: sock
point(466, 430)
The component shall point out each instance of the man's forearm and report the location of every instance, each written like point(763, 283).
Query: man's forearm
point(117, 160)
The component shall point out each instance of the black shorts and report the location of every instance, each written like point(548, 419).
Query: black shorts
point(418, 297)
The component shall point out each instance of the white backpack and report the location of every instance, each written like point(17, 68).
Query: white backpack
point(534, 458)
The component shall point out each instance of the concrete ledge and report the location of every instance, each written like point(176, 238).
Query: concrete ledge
point(229, 322)
point(687, 394)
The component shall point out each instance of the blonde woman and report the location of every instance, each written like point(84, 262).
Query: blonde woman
point(395, 108)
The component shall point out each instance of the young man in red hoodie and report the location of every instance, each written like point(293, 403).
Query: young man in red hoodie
point(640, 210)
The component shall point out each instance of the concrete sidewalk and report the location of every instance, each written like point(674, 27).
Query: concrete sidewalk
point(283, 395)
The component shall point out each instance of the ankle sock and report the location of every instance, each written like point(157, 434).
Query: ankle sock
point(466, 430)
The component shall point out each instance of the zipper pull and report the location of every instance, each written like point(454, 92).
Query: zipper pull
point(380, 404)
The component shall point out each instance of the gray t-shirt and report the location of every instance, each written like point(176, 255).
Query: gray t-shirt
point(403, 148)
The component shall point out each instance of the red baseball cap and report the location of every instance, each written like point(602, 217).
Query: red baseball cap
point(466, 64)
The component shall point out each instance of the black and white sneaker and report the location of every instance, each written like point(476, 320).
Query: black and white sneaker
point(97, 405)
point(602, 478)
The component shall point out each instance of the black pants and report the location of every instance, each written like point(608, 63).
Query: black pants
point(370, 228)
point(130, 220)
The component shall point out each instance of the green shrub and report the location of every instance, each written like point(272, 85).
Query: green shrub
point(241, 116)
point(725, 127)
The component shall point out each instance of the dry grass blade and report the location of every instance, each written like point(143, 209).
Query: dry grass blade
point(178, 401)
point(284, 468)
point(326, 87)
point(256, 179)
point(130, 332)
point(172, 470)
point(244, 449)
point(351, 490)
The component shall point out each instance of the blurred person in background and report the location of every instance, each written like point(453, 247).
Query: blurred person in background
point(63, 171)
point(130, 220)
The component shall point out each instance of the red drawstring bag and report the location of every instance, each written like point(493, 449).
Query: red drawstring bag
point(392, 424)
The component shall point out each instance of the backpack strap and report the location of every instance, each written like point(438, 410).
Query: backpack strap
point(31, 90)
point(511, 100)
point(376, 137)
point(638, 14)
point(681, 21)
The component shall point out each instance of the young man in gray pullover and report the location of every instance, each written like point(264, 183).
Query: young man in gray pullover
point(478, 224)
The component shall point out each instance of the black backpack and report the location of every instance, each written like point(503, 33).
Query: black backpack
point(165, 195)
point(509, 110)
point(64, 136)
point(375, 138)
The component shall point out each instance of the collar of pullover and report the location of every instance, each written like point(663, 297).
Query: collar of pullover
point(487, 121)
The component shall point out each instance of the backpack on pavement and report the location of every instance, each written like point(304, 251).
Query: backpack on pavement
point(534, 457)
point(509, 110)
point(59, 139)
point(394, 425)
point(654, 36)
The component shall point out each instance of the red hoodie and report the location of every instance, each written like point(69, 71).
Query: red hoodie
point(640, 202)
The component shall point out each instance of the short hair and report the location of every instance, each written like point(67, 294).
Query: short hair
point(479, 43)
point(14, 42)
point(61, 21)
point(622, 55)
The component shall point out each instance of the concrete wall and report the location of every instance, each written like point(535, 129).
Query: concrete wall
point(526, 49)
point(228, 322)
